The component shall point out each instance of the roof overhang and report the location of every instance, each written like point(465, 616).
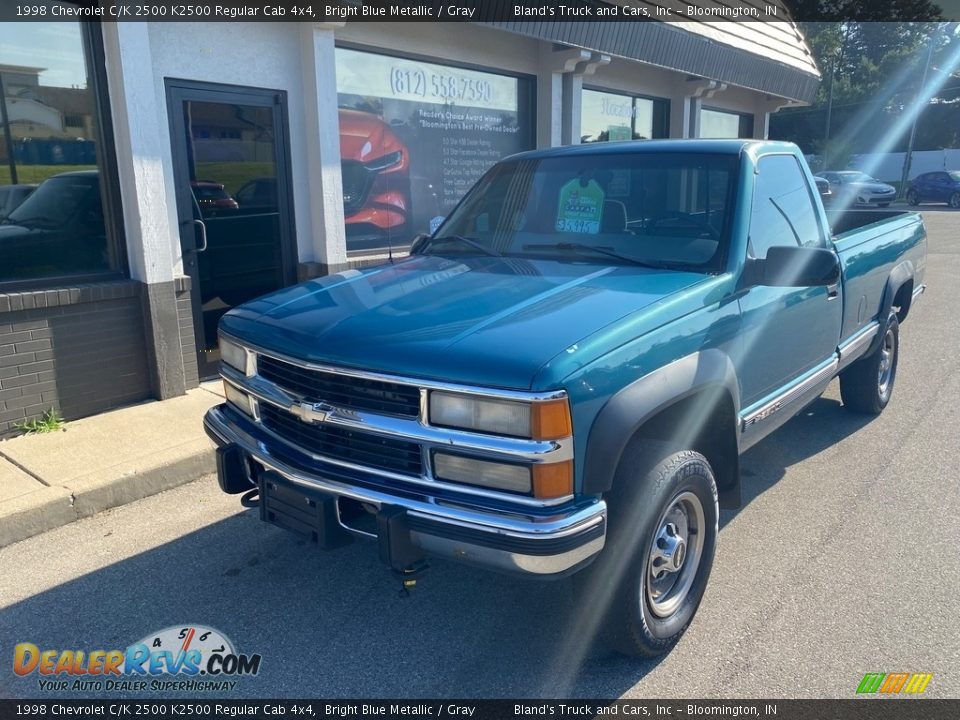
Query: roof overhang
point(694, 52)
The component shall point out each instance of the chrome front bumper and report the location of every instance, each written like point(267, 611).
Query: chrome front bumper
point(550, 542)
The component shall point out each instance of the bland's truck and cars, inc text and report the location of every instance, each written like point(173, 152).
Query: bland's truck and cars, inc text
point(562, 377)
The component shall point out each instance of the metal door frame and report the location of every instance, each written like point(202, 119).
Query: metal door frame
point(177, 93)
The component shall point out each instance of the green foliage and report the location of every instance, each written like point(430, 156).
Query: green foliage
point(872, 56)
point(49, 422)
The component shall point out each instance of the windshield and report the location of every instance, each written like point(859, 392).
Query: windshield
point(660, 209)
point(57, 200)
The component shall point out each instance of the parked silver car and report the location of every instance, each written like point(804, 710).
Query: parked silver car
point(852, 187)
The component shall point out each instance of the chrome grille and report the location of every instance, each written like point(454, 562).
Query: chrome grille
point(360, 448)
point(342, 391)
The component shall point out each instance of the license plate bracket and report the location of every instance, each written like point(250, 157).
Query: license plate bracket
point(304, 511)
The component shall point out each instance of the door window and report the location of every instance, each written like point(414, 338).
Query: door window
point(783, 210)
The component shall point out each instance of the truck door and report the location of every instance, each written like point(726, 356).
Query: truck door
point(787, 331)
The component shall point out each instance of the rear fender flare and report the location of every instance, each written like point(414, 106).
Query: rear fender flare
point(898, 277)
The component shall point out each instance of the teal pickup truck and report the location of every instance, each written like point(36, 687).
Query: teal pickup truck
point(562, 377)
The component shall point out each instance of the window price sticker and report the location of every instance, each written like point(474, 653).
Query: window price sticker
point(580, 207)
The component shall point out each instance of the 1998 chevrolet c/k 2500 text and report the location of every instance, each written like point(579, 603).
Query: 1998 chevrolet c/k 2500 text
point(563, 376)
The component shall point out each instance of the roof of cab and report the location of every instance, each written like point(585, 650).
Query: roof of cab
point(714, 147)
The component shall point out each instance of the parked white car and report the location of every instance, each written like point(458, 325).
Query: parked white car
point(852, 187)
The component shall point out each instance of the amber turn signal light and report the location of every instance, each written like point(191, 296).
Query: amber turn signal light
point(550, 420)
point(552, 480)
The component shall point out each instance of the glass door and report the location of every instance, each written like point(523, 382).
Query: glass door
point(233, 203)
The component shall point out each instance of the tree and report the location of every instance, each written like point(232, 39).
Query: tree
point(872, 68)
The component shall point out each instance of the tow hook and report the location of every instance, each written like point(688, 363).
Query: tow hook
point(409, 577)
point(397, 550)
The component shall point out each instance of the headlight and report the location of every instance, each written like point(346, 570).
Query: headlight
point(233, 355)
point(497, 476)
point(540, 420)
point(238, 398)
point(385, 162)
point(544, 481)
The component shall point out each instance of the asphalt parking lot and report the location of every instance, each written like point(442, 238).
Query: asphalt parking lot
point(843, 561)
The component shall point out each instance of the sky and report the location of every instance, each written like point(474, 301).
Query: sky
point(56, 46)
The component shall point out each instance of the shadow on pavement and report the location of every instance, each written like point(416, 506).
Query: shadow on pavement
point(823, 423)
point(333, 625)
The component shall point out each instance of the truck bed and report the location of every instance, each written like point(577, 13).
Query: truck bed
point(843, 222)
point(870, 243)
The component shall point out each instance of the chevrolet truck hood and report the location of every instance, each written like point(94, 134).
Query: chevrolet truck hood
point(479, 320)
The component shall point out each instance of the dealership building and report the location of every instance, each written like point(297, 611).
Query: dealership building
point(154, 175)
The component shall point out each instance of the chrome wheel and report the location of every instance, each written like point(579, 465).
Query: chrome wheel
point(955, 200)
point(675, 554)
point(885, 369)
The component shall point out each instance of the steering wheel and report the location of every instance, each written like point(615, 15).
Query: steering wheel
point(693, 220)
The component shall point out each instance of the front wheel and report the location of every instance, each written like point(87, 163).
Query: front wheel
point(867, 385)
point(662, 536)
point(955, 201)
point(913, 199)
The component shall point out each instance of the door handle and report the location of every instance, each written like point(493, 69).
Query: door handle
point(203, 233)
point(833, 291)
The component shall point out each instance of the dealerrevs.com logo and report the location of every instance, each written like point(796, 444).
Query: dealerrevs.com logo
point(185, 658)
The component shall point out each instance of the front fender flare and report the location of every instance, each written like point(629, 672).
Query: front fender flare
point(632, 406)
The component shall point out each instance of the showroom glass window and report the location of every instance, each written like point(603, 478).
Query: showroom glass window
point(415, 136)
point(52, 220)
point(611, 116)
point(723, 124)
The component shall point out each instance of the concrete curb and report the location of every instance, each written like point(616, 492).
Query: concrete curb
point(101, 462)
point(52, 507)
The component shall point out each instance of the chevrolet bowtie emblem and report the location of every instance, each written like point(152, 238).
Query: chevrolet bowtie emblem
point(312, 412)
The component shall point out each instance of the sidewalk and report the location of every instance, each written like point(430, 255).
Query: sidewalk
point(103, 461)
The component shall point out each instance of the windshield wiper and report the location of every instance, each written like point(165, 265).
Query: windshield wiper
point(464, 241)
point(601, 250)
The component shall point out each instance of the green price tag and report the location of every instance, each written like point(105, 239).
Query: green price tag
point(580, 208)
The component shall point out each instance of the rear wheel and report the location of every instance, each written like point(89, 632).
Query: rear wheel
point(955, 200)
point(867, 385)
point(913, 198)
point(662, 535)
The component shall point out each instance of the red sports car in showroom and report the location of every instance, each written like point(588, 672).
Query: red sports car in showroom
point(376, 181)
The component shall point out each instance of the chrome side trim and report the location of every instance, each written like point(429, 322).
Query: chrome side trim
point(503, 394)
point(786, 397)
point(504, 448)
point(514, 524)
point(858, 342)
point(918, 291)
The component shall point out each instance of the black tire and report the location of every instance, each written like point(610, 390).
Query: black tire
point(955, 201)
point(867, 385)
point(652, 477)
point(912, 198)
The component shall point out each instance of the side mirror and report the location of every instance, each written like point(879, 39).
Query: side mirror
point(799, 267)
point(418, 243)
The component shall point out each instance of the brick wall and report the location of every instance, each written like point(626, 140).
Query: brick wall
point(80, 350)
